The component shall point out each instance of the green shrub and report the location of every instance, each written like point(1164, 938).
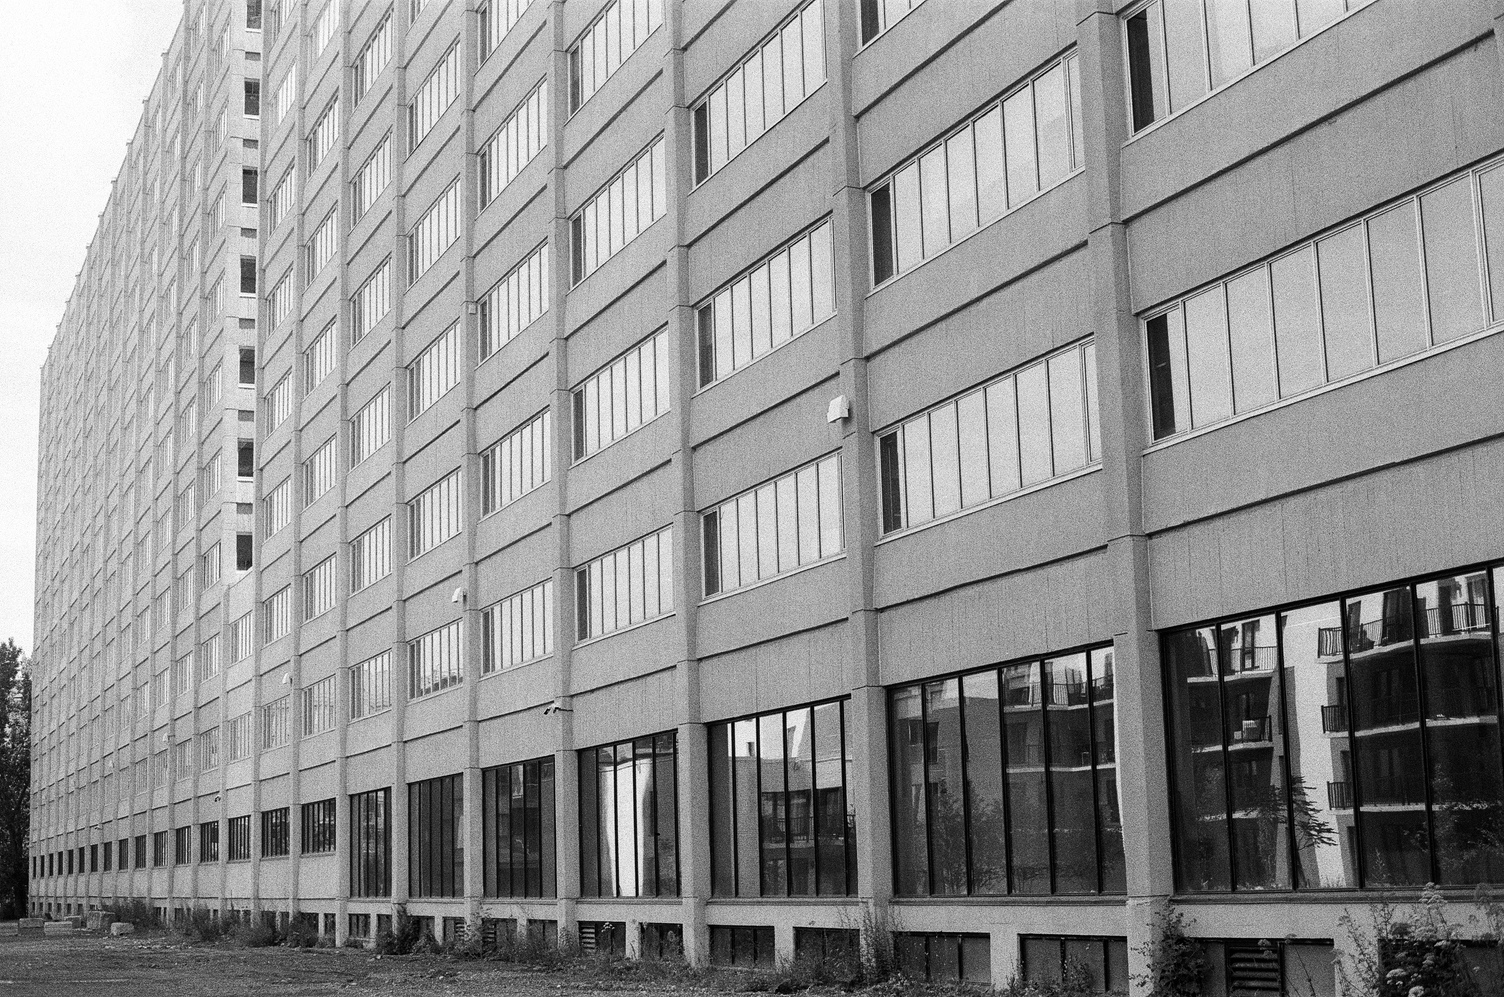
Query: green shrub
point(1177, 962)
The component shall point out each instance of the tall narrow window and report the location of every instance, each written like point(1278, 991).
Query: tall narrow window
point(436, 837)
point(518, 829)
point(371, 843)
point(629, 818)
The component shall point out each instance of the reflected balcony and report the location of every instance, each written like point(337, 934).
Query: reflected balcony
point(1394, 790)
point(1250, 732)
point(1334, 718)
point(1339, 795)
point(1242, 660)
point(1460, 619)
point(1457, 702)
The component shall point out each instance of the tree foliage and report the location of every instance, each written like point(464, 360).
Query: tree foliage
point(15, 779)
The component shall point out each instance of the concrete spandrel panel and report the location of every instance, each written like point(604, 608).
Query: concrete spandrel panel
point(800, 668)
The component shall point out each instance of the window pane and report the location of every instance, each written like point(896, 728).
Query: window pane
point(1146, 66)
point(1491, 188)
point(1398, 305)
point(746, 766)
point(1252, 334)
point(945, 787)
point(1462, 734)
point(906, 207)
point(946, 473)
point(1018, 128)
point(972, 429)
point(910, 829)
point(1028, 814)
point(1227, 33)
point(1297, 322)
point(992, 190)
point(1391, 790)
point(1050, 118)
point(833, 842)
point(1034, 424)
point(1072, 789)
point(1451, 262)
point(1109, 814)
point(809, 520)
point(799, 816)
point(984, 784)
point(1345, 316)
point(1002, 436)
point(1169, 387)
point(746, 514)
point(1255, 776)
point(772, 811)
point(916, 447)
point(936, 212)
point(788, 525)
point(963, 184)
point(1206, 350)
point(767, 532)
point(1186, 48)
point(830, 506)
point(1198, 779)
point(1273, 27)
point(1067, 412)
point(1315, 716)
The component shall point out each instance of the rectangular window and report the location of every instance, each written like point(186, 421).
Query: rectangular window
point(760, 92)
point(253, 98)
point(247, 276)
point(182, 846)
point(372, 179)
point(274, 833)
point(319, 358)
point(943, 957)
point(242, 638)
point(1026, 143)
point(320, 588)
point(434, 516)
point(279, 302)
point(371, 686)
point(284, 197)
point(521, 137)
point(782, 297)
point(325, 27)
point(433, 372)
point(278, 507)
point(774, 528)
point(618, 399)
point(318, 827)
point(276, 610)
point(515, 302)
point(629, 819)
point(324, 135)
point(518, 629)
point(370, 427)
point(517, 463)
point(783, 822)
point(239, 738)
point(371, 556)
point(158, 849)
point(434, 661)
point(319, 471)
point(608, 43)
point(208, 841)
point(140, 852)
point(435, 231)
point(373, 57)
point(436, 837)
point(279, 403)
point(1005, 781)
point(1329, 309)
point(371, 843)
point(248, 185)
point(210, 477)
point(208, 657)
point(318, 707)
point(240, 839)
point(1035, 424)
point(276, 723)
point(518, 829)
point(287, 94)
point(433, 97)
point(620, 211)
point(496, 19)
point(322, 243)
point(182, 759)
point(1047, 959)
point(879, 15)
point(742, 947)
point(371, 302)
point(208, 750)
point(626, 586)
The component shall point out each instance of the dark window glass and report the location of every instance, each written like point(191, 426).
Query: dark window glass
point(140, 862)
point(243, 556)
point(745, 947)
point(247, 372)
point(711, 546)
point(1143, 82)
point(93, 858)
point(371, 844)
point(159, 849)
point(245, 459)
point(240, 838)
point(872, 21)
point(628, 819)
point(702, 142)
point(435, 837)
point(248, 275)
point(1100, 965)
point(252, 98)
point(1198, 773)
point(705, 326)
point(942, 957)
point(891, 482)
point(248, 185)
point(1161, 378)
point(318, 826)
point(253, 14)
point(208, 841)
point(518, 829)
point(882, 234)
point(274, 833)
point(182, 846)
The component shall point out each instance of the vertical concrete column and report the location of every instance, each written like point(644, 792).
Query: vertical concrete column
point(1142, 787)
point(692, 768)
point(868, 706)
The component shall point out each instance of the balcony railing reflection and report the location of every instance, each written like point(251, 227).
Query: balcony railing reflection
point(1334, 718)
point(1394, 790)
point(1252, 659)
point(1461, 701)
point(1256, 731)
point(1458, 618)
point(1339, 795)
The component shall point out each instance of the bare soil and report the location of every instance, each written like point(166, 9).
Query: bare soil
point(163, 966)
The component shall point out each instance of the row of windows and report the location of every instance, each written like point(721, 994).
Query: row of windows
point(627, 393)
point(435, 231)
point(607, 43)
point(515, 302)
point(521, 137)
point(774, 528)
point(626, 586)
point(517, 463)
point(373, 57)
point(623, 209)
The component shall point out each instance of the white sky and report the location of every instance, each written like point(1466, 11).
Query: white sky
point(72, 78)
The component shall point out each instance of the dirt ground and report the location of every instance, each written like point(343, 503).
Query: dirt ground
point(86, 966)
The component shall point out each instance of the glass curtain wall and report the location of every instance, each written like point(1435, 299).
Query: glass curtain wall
point(782, 820)
point(1005, 780)
point(629, 827)
point(371, 844)
point(436, 837)
point(517, 808)
point(1348, 743)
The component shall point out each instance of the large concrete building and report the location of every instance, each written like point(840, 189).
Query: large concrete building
point(693, 472)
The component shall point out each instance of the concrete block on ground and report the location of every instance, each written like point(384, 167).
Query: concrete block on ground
point(122, 928)
point(31, 927)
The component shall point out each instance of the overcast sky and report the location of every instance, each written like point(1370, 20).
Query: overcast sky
point(72, 78)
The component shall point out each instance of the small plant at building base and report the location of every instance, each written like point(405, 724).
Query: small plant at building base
point(403, 936)
point(138, 912)
point(1177, 962)
point(1425, 956)
point(202, 926)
